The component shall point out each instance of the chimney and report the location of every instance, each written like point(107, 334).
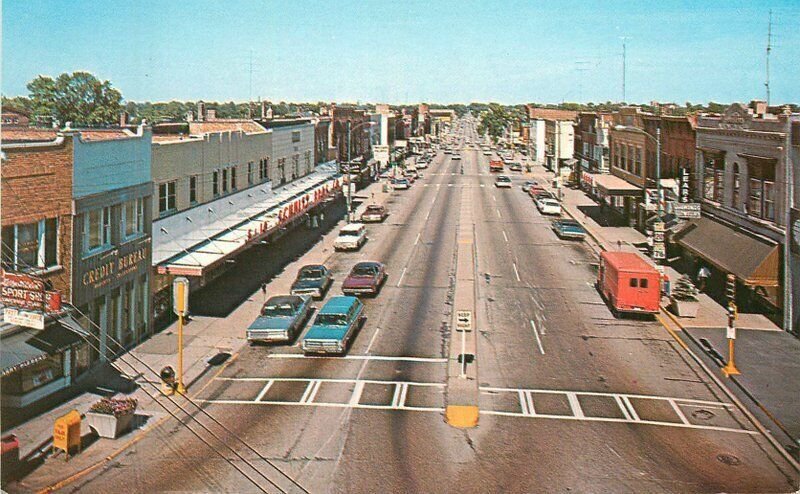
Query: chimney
point(759, 107)
point(201, 111)
point(123, 118)
point(211, 115)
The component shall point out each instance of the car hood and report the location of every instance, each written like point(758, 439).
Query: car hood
point(325, 332)
point(357, 281)
point(264, 322)
point(309, 283)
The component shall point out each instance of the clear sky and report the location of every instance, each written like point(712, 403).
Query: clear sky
point(408, 51)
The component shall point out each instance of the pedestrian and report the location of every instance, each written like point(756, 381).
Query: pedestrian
point(703, 274)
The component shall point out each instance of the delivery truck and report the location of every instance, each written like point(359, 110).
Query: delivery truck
point(496, 166)
point(628, 283)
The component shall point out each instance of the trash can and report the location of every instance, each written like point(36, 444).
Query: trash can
point(10, 456)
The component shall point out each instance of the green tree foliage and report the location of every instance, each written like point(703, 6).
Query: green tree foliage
point(494, 120)
point(80, 98)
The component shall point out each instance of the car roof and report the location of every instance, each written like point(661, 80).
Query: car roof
point(367, 264)
point(312, 266)
point(338, 305)
point(352, 227)
point(283, 300)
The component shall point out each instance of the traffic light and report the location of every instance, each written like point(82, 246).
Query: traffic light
point(730, 289)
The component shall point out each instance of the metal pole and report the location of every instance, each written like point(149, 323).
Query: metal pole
point(349, 176)
point(180, 389)
point(658, 174)
point(788, 283)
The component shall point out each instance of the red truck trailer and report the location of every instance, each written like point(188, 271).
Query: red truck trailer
point(496, 166)
point(628, 283)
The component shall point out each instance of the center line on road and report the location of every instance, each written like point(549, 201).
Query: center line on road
point(498, 213)
point(401, 277)
point(536, 332)
point(505, 236)
point(495, 198)
point(372, 340)
point(417, 239)
point(516, 272)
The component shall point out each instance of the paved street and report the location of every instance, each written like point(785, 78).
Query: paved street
point(571, 399)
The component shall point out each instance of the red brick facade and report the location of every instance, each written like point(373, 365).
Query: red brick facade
point(36, 185)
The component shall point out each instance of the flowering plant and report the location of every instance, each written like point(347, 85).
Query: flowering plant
point(115, 406)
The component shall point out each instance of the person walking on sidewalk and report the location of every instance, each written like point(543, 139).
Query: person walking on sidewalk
point(703, 274)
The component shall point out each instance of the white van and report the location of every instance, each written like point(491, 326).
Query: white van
point(351, 237)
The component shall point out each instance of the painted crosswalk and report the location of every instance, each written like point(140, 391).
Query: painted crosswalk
point(498, 402)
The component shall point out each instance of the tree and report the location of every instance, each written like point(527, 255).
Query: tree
point(79, 98)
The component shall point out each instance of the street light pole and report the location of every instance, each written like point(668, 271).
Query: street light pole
point(658, 173)
point(349, 176)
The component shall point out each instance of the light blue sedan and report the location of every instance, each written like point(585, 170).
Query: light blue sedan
point(282, 318)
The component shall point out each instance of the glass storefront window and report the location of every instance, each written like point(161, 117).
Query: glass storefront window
point(35, 376)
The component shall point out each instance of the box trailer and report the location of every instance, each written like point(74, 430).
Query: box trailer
point(628, 283)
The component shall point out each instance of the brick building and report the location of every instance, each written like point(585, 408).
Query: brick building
point(359, 133)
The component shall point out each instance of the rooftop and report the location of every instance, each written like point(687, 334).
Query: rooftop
point(550, 113)
point(244, 125)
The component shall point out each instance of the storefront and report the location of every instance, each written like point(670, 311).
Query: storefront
point(620, 196)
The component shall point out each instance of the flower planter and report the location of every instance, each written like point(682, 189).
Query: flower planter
point(109, 426)
point(685, 308)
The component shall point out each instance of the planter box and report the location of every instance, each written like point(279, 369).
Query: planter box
point(685, 308)
point(109, 426)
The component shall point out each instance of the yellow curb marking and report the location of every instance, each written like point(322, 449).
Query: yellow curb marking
point(461, 416)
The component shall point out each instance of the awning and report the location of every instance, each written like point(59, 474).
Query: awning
point(611, 185)
point(16, 353)
point(754, 262)
point(55, 338)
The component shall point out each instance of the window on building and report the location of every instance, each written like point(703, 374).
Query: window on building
point(224, 180)
point(762, 189)
point(736, 186)
point(250, 172)
point(133, 217)
point(97, 229)
point(215, 183)
point(295, 136)
point(193, 190)
point(262, 168)
point(233, 178)
point(714, 179)
point(35, 376)
point(638, 161)
point(30, 246)
point(166, 197)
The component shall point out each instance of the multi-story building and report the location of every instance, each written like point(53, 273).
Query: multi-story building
point(359, 133)
point(591, 147)
point(744, 160)
point(559, 135)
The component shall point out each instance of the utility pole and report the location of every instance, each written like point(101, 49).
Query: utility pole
point(658, 173)
point(624, 66)
point(349, 176)
point(769, 49)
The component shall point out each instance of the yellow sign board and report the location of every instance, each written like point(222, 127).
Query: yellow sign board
point(67, 432)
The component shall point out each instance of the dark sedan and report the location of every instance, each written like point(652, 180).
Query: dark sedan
point(366, 278)
point(314, 280)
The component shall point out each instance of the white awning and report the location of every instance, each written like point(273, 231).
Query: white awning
point(194, 240)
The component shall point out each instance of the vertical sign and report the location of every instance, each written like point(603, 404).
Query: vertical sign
point(180, 296)
point(684, 191)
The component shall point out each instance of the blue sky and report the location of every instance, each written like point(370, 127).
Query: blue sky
point(384, 51)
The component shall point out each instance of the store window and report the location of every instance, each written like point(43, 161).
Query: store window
point(35, 376)
point(714, 179)
point(96, 230)
point(166, 197)
point(30, 246)
point(215, 183)
point(263, 165)
point(224, 180)
point(736, 186)
point(250, 172)
point(233, 178)
point(133, 217)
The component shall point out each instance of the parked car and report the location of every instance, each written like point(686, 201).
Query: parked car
point(313, 279)
point(569, 229)
point(547, 205)
point(374, 213)
point(544, 194)
point(503, 181)
point(534, 190)
point(351, 237)
point(515, 166)
point(456, 157)
point(628, 283)
point(401, 184)
point(335, 326)
point(528, 184)
point(281, 319)
point(366, 278)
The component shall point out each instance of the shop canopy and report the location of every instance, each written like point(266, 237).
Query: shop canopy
point(611, 185)
point(29, 346)
point(753, 261)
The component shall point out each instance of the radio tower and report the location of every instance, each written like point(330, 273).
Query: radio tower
point(769, 49)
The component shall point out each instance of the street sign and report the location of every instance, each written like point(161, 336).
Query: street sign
point(27, 292)
point(687, 210)
point(464, 320)
point(659, 252)
point(180, 296)
point(731, 333)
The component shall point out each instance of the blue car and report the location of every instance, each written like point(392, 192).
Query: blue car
point(335, 326)
point(281, 319)
point(569, 229)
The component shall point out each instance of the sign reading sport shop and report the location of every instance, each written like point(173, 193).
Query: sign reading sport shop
point(108, 270)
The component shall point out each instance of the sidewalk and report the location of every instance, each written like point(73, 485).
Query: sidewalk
point(204, 338)
point(767, 356)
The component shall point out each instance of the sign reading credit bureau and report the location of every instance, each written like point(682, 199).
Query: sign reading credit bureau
point(106, 271)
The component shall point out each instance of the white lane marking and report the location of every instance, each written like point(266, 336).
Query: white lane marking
point(529, 399)
point(523, 402)
point(372, 340)
point(401, 277)
point(627, 401)
point(355, 398)
point(575, 405)
point(311, 391)
point(678, 411)
point(495, 198)
point(623, 407)
point(516, 272)
point(264, 390)
point(505, 236)
point(498, 213)
point(483, 185)
point(449, 185)
point(417, 240)
point(434, 360)
point(536, 333)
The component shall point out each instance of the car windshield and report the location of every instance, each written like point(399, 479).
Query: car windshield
point(332, 319)
point(278, 310)
point(348, 233)
point(374, 209)
point(503, 179)
point(311, 274)
point(364, 271)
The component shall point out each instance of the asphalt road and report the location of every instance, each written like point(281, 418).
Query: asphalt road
point(571, 398)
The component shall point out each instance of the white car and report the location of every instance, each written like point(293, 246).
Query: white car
point(401, 184)
point(547, 205)
point(351, 237)
point(456, 157)
point(503, 181)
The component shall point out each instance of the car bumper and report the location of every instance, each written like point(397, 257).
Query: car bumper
point(314, 292)
point(371, 219)
point(267, 336)
point(360, 290)
point(346, 246)
point(322, 346)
